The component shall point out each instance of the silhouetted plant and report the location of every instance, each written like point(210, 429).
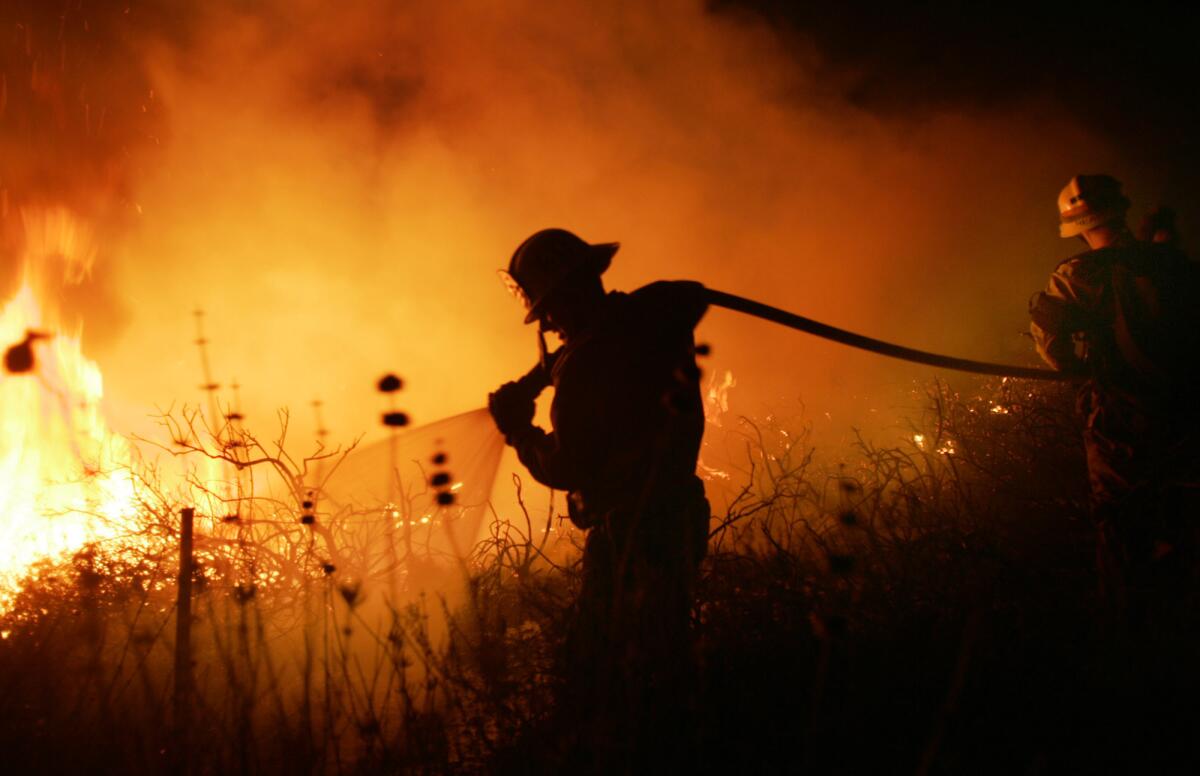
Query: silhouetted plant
point(926, 604)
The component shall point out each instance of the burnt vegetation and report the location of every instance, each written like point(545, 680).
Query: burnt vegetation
point(930, 607)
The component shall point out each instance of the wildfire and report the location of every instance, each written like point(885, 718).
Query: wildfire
point(65, 479)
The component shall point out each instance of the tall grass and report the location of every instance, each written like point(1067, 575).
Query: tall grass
point(924, 607)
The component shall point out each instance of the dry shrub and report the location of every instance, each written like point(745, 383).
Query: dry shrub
point(928, 606)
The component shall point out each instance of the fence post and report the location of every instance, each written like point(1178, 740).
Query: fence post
point(183, 637)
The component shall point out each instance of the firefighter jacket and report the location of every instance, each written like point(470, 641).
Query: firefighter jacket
point(627, 413)
point(1127, 316)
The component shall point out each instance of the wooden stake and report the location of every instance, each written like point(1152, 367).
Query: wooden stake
point(183, 633)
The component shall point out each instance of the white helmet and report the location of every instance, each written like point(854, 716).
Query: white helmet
point(1089, 201)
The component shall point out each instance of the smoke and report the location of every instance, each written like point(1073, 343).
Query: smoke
point(335, 187)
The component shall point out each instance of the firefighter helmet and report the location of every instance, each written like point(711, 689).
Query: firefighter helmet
point(1090, 201)
point(546, 259)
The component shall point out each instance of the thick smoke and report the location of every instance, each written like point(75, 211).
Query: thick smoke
point(335, 186)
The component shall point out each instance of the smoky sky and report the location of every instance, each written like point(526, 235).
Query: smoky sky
point(336, 184)
point(79, 124)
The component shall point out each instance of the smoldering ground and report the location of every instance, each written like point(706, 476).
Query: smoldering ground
point(335, 187)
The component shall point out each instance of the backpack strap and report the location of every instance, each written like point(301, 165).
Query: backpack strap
point(1126, 298)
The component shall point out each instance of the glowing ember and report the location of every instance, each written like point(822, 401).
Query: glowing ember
point(64, 477)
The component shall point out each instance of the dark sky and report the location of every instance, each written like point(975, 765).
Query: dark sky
point(1128, 70)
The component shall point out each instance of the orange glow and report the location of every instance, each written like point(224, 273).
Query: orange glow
point(335, 189)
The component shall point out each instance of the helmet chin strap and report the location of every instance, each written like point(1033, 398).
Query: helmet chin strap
point(543, 351)
point(538, 379)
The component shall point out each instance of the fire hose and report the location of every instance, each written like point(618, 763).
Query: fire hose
point(825, 331)
point(539, 376)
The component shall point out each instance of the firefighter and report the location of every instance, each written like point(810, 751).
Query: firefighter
point(627, 419)
point(1122, 314)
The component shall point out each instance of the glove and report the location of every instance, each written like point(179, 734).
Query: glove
point(512, 408)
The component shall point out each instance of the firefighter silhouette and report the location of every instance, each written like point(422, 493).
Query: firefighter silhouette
point(1124, 315)
point(627, 420)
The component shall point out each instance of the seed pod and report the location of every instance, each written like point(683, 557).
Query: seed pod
point(395, 419)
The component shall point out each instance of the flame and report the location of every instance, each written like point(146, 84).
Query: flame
point(716, 397)
point(716, 404)
point(65, 478)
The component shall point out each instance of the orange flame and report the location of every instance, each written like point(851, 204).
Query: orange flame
point(65, 478)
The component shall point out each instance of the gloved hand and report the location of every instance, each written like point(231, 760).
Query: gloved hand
point(512, 408)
